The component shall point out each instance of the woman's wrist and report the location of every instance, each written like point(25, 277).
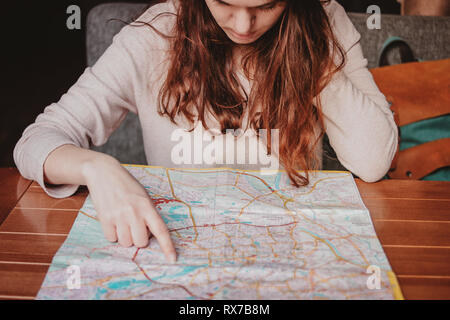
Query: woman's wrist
point(95, 161)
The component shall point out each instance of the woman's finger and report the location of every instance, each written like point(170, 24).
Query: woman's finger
point(149, 233)
point(123, 233)
point(159, 229)
point(109, 230)
point(139, 234)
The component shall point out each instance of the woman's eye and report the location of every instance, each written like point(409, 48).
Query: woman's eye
point(267, 8)
point(221, 3)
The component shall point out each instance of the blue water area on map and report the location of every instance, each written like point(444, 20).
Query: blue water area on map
point(100, 292)
point(188, 269)
point(174, 216)
point(277, 181)
point(185, 270)
point(125, 284)
point(258, 185)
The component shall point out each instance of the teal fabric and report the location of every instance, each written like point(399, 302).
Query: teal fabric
point(420, 132)
point(428, 130)
point(442, 174)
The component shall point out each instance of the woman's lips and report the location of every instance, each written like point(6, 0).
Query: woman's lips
point(242, 36)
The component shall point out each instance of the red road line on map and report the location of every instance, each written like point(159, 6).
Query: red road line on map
point(135, 255)
point(164, 284)
point(158, 201)
point(262, 180)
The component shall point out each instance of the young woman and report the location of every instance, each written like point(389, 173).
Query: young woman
point(294, 66)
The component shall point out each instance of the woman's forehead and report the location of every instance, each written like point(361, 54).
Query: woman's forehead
point(249, 3)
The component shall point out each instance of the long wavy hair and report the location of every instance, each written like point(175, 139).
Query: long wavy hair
point(292, 63)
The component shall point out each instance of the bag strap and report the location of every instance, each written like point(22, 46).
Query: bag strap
point(419, 161)
point(406, 53)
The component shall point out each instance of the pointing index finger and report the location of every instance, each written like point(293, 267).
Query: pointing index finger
point(159, 229)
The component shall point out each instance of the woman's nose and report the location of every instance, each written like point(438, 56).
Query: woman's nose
point(243, 22)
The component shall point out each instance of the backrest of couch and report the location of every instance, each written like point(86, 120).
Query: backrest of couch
point(126, 143)
point(428, 37)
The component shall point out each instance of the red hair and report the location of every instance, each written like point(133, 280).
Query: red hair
point(298, 58)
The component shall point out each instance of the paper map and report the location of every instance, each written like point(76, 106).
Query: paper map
point(238, 235)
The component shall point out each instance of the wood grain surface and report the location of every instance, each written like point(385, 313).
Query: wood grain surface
point(411, 219)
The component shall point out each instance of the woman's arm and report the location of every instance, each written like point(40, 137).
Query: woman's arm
point(357, 118)
point(67, 164)
point(54, 150)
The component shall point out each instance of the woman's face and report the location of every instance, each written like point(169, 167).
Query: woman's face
point(244, 21)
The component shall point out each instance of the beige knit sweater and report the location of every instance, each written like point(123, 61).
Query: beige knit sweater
point(128, 76)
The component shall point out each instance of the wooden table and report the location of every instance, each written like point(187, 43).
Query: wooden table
point(411, 218)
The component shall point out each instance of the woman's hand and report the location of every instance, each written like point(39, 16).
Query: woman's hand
point(125, 210)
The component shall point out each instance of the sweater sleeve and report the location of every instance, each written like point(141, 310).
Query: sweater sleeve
point(91, 109)
point(357, 117)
